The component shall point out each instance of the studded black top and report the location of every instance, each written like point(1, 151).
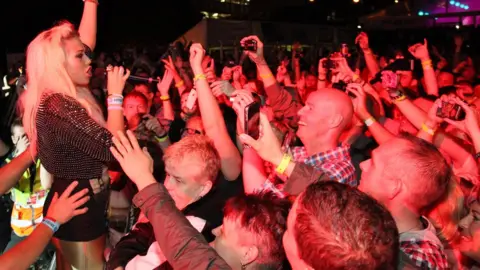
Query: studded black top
point(73, 147)
point(71, 144)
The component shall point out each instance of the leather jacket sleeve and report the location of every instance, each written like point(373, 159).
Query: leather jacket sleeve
point(183, 246)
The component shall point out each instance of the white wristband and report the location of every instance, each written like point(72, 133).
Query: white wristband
point(370, 121)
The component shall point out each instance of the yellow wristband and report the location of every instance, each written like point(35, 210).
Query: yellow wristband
point(199, 77)
point(180, 84)
point(283, 164)
point(162, 139)
point(165, 98)
point(400, 99)
point(426, 62)
point(266, 76)
point(428, 130)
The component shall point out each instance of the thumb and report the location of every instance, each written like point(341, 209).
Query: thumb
point(452, 122)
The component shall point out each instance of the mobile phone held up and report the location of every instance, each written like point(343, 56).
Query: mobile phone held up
point(451, 111)
point(252, 120)
point(192, 98)
point(250, 45)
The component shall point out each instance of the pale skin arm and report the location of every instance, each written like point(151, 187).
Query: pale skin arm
point(116, 82)
point(88, 25)
point(254, 175)
point(214, 124)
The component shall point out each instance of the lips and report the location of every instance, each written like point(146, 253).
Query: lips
point(301, 123)
point(89, 71)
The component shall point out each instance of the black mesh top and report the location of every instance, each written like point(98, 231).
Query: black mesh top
point(71, 145)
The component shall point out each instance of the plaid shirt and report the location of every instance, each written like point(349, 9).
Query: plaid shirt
point(424, 248)
point(336, 163)
point(425, 254)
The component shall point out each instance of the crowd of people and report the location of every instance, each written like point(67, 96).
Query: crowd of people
point(354, 161)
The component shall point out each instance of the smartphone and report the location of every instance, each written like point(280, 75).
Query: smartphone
point(252, 120)
point(288, 141)
point(192, 98)
point(451, 111)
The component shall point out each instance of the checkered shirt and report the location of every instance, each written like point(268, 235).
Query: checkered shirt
point(336, 163)
point(425, 254)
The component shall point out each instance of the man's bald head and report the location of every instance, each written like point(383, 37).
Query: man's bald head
point(325, 116)
point(335, 102)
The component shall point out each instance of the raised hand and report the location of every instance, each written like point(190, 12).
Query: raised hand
point(470, 124)
point(164, 85)
point(241, 99)
point(360, 101)
point(267, 146)
point(196, 57)
point(65, 207)
point(116, 78)
point(420, 51)
point(135, 162)
point(362, 41)
point(256, 57)
point(220, 88)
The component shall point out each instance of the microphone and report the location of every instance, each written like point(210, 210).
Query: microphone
point(140, 79)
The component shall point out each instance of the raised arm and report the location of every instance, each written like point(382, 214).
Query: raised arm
point(420, 51)
point(88, 24)
point(212, 118)
point(372, 65)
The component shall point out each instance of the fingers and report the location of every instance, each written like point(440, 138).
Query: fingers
point(425, 42)
point(69, 190)
point(453, 123)
point(216, 84)
point(80, 211)
point(80, 202)
point(119, 145)
point(77, 196)
point(244, 138)
point(133, 140)
point(116, 154)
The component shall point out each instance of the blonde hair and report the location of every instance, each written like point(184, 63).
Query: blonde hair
point(199, 147)
point(447, 213)
point(47, 74)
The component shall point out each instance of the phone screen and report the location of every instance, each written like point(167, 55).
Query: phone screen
point(252, 120)
point(192, 98)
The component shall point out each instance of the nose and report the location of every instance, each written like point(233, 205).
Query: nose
point(167, 184)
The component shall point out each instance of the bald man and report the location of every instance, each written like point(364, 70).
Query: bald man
point(326, 115)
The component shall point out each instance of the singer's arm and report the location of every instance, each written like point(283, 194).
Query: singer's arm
point(88, 24)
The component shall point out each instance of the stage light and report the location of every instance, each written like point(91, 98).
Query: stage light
point(462, 6)
point(457, 26)
point(452, 3)
point(457, 4)
point(396, 1)
point(467, 7)
point(359, 26)
point(426, 14)
point(356, 1)
point(420, 13)
point(311, 0)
